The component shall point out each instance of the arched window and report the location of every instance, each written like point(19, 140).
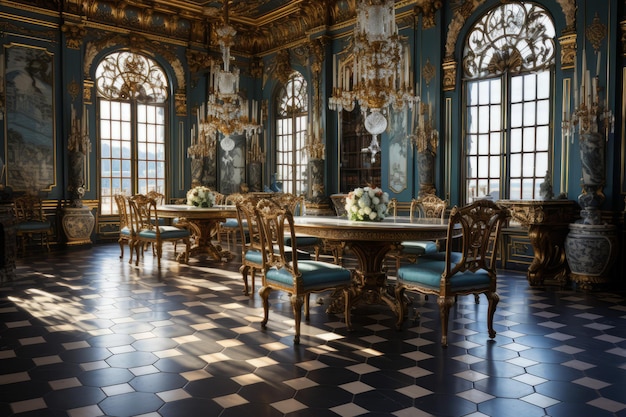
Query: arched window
point(132, 96)
point(291, 130)
point(508, 64)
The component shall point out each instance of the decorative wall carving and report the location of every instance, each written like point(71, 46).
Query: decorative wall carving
point(568, 50)
point(464, 9)
point(135, 43)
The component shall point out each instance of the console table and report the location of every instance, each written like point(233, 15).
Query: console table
point(548, 224)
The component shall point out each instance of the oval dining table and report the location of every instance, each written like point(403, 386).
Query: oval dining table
point(370, 241)
point(204, 224)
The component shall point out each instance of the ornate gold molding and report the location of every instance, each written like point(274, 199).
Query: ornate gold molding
point(74, 35)
point(568, 50)
point(73, 89)
point(256, 67)
point(198, 61)
point(596, 32)
point(181, 102)
point(135, 43)
point(428, 8)
point(467, 7)
point(87, 91)
point(449, 75)
point(428, 72)
point(283, 66)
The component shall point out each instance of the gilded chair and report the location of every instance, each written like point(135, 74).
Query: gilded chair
point(125, 234)
point(426, 207)
point(339, 203)
point(297, 206)
point(249, 228)
point(229, 228)
point(299, 278)
point(146, 229)
point(472, 270)
point(31, 222)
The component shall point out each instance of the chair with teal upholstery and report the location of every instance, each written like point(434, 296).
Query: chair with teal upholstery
point(125, 233)
point(426, 207)
point(31, 222)
point(471, 270)
point(297, 205)
point(249, 229)
point(146, 229)
point(299, 278)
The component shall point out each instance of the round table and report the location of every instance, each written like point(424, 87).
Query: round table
point(204, 223)
point(370, 242)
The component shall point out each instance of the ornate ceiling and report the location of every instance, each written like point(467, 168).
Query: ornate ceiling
point(263, 26)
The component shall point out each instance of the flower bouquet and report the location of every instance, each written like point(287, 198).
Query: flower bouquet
point(200, 197)
point(367, 204)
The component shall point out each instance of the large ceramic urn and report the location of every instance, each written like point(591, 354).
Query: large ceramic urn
point(591, 244)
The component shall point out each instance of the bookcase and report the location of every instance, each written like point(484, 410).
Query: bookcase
point(355, 161)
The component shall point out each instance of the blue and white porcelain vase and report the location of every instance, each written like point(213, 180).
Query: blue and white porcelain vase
point(591, 244)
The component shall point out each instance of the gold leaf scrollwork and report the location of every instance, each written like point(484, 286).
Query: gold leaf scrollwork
point(596, 32)
point(73, 89)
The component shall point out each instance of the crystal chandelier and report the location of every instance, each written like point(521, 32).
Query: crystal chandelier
point(377, 74)
point(227, 111)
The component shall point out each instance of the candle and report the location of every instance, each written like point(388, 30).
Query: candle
point(575, 85)
point(598, 64)
point(334, 71)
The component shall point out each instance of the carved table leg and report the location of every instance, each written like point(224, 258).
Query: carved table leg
point(548, 242)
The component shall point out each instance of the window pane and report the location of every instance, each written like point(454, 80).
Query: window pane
point(516, 140)
point(530, 87)
point(543, 112)
point(483, 119)
point(472, 120)
point(541, 164)
point(543, 85)
point(516, 115)
point(517, 90)
point(483, 92)
point(529, 113)
point(543, 138)
point(496, 91)
point(516, 165)
point(529, 139)
point(528, 162)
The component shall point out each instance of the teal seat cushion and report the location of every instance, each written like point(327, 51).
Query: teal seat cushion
point(419, 247)
point(230, 223)
point(33, 226)
point(254, 256)
point(167, 232)
point(428, 274)
point(125, 231)
point(315, 276)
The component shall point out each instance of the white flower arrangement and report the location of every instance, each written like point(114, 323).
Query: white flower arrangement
point(367, 203)
point(200, 197)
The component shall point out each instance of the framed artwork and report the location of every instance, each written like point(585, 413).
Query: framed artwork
point(232, 164)
point(398, 148)
point(30, 131)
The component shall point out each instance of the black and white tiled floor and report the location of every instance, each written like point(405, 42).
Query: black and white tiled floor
point(84, 334)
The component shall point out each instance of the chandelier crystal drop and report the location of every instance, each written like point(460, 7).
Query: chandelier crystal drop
point(376, 75)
